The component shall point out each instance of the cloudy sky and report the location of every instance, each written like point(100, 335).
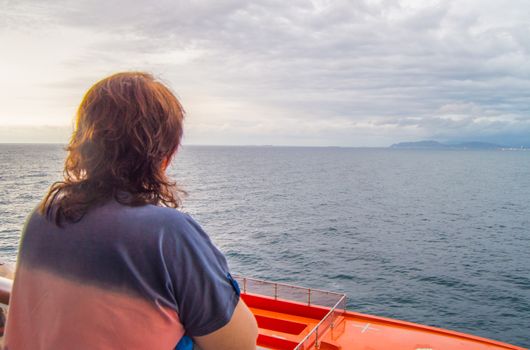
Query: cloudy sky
point(281, 72)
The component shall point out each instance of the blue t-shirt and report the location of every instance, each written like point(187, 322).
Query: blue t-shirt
point(122, 277)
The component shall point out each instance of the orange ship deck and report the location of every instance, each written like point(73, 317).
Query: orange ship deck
point(284, 325)
point(296, 318)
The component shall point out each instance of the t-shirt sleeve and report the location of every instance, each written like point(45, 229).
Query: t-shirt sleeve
point(205, 292)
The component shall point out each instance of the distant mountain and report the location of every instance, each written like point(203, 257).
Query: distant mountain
point(419, 145)
point(479, 145)
point(438, 145)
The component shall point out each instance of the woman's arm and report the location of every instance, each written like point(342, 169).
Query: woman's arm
point(240, 333)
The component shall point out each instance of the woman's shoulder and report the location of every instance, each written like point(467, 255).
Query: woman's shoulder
point(145, 218)
point(155, 213)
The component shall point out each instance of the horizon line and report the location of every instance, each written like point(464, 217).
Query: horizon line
point(209, 145)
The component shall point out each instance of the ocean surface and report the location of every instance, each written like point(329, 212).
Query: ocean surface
point(435, 237)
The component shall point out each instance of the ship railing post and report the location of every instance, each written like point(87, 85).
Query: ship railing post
point(309, 296)
point(275, 291)
point(244, 285)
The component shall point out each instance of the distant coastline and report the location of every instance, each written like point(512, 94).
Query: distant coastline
point(473, 145)
point(419, 145)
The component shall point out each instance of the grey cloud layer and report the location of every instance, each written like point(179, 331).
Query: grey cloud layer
point(448, 69)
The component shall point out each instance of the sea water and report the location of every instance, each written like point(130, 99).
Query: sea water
point(434, 237)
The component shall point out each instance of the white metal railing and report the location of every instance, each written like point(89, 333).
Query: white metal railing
point(327, 322)
point(336, 303)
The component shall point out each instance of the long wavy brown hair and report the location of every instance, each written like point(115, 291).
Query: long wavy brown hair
point(128, 127)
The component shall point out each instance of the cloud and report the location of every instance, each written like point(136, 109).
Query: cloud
point(385, 69)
